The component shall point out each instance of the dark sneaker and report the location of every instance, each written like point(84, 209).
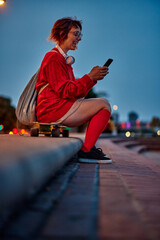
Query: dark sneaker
point(93, 157)
point(99, 150)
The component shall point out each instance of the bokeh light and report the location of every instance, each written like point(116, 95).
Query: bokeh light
point(115, 107)
point(1, 127)
point(2, 2)
point(128, 134)
point(15, 131)
point(128, 125)
point(123, 124)
point(23, 131)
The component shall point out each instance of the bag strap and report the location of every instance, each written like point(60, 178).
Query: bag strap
point(42, 88)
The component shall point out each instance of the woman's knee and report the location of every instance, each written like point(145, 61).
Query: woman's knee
point(105, 104)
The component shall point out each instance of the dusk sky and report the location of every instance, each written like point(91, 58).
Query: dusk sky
point(126, 30)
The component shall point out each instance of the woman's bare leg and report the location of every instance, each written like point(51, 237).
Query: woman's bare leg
point(97, 111)
point(87, 109)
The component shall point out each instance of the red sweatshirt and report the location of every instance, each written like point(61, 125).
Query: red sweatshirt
point(63, 89)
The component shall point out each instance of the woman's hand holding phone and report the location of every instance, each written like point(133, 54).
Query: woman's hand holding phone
point(98, 73)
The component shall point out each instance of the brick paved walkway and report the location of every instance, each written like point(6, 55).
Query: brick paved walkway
point(90, 201)
point(129, 196)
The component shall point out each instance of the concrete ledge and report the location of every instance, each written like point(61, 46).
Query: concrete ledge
point(27, 163)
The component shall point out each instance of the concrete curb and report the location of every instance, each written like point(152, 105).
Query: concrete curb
point(27, 172)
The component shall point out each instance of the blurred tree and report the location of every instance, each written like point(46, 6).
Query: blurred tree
point(155, 122)
point(7, 114)
point(93, 94)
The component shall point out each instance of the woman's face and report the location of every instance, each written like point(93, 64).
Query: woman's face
point(74, 36)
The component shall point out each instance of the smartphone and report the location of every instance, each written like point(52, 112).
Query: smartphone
point(109, 61)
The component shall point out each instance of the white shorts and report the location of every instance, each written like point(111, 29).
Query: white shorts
point(71, 111)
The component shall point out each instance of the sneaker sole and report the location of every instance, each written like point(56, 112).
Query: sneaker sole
point(86, 160)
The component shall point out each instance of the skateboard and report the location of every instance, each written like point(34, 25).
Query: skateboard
point(49, 129)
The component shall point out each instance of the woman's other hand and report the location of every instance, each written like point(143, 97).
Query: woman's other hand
point(98, 73)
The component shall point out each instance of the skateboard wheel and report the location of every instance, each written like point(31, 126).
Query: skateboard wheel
point(34, 132)
point(47, 135)
point(55, 132)
point(65, 133)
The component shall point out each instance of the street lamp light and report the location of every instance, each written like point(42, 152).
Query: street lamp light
point(2, 2)
point(115, 107)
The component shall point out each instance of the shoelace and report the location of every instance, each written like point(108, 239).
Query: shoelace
point(99, 150)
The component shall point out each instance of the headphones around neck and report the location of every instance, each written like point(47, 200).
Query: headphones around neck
point(69, 59)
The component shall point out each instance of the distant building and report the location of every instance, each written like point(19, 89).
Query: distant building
point(133, 117)
point(115, 117)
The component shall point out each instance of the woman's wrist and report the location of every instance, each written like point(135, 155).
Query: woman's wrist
point(90, 76)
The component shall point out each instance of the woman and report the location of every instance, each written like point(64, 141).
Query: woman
point(62, 99)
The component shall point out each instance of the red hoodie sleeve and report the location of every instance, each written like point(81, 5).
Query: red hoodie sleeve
point(63, 83)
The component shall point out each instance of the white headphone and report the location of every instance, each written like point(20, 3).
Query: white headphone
point(69, 59)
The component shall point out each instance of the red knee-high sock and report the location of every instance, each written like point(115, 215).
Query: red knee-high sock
point(96, 126)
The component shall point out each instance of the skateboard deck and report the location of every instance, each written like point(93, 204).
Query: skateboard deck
point(49, 129)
